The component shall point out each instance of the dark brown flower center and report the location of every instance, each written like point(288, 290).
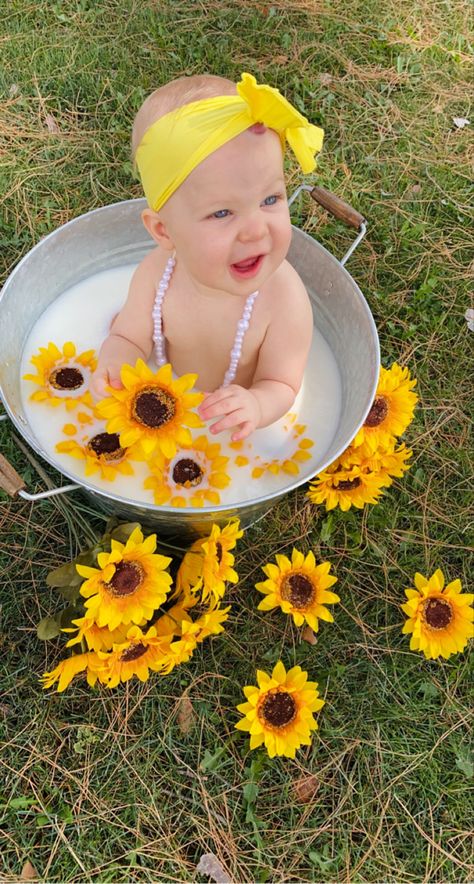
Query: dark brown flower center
point(377, 413)
point(127, 579)
point(298, 590)
point(278, 709)
point(153, 407)
point(66, 378)
point(437, 613)
point(349, 484)
point(106, 446)
point(133, 652)
point(187, 472)
point(218, 552)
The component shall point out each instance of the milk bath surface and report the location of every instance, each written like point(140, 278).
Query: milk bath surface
point(83, 314)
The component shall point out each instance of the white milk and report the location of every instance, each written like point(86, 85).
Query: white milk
point(83, 314)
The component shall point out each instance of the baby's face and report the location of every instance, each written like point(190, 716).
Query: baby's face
point(229, 220)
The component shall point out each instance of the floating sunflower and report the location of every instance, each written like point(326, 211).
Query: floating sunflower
point(391, 411)
point(130, 583)
point(101, 453)
point(207, 565)
point(299, 588)
point(279, 711)
point(153, 409)
point(137, 655)
point(192, 477)
point(62, 376)
point(90, 663)
point(97, 638)
point(346, 487)
point(440, 618)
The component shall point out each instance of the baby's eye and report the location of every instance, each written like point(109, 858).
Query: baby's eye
point(221, 213)
point(271, 200)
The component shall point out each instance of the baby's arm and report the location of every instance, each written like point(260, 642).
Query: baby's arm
point(279, 373)
point(131, 333)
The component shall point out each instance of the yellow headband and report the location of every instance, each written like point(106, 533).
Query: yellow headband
point(176, 143)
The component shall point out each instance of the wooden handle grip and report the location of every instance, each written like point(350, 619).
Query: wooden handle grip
point(10, 481)
point(337, 207)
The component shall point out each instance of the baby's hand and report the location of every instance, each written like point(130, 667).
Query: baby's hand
point(104, 377)
point(240, 407)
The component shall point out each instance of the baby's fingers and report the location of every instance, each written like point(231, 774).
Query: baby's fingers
point(231, 420)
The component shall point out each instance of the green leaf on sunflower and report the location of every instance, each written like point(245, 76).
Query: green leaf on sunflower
point(65, 575)
point(67, 615)
point(47, 628)
point(122, 532)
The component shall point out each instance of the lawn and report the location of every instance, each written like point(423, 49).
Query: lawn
point(135, 784)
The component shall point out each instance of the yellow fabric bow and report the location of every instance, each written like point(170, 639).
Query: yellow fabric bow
point(176, 143)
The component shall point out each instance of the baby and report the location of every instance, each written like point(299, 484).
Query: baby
point(216, 296)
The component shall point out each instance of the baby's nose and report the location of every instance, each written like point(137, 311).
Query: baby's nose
point(253, 228)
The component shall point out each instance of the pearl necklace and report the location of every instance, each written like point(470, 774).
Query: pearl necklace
point(159, 338)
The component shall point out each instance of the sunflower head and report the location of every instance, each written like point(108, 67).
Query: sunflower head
point(299, 587)
point(152, 409)
point(193, 477)
point(440, 618)
point(130, 583)
point(392, 409)
point(62, 376)
point(279, 711)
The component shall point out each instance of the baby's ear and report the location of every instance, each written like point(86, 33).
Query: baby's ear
point(157, 229)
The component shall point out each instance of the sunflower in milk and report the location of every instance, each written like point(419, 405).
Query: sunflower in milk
point(62, 376)
point(152, 409)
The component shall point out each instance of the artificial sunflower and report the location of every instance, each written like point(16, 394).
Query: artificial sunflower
point(90, 663)
point(440, 618)
point(130, 583)
point(346, 487)
point(153, 409)
point(391, 411)
point(386, 463)
point(279, 711)
point(210, 623)
point(137, 655)
point(299, 588)
point(97, 638)
point(101, 452)
point(193, 477)
point(62, 376)
point(207, 565)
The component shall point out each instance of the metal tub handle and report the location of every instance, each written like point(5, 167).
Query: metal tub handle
point(13, 484)
point(337, 207)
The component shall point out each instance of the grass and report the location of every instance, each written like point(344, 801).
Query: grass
point(138, 784)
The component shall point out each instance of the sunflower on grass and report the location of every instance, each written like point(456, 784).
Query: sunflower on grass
point(348, 487)
point(130, 583)
point(279, 712)
point(62, 376)
point(96, 638)
point(89, 663)
point(300, 588)
point(391, 411)
point(193, 477)
point(440, 618)
point(136, 656)
point(208, 564)
point(102, 453)
point(153, 409)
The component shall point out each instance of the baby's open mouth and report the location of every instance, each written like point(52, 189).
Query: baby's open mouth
point(249, 267)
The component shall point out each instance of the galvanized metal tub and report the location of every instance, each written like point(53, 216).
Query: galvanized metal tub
point(114, 235)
